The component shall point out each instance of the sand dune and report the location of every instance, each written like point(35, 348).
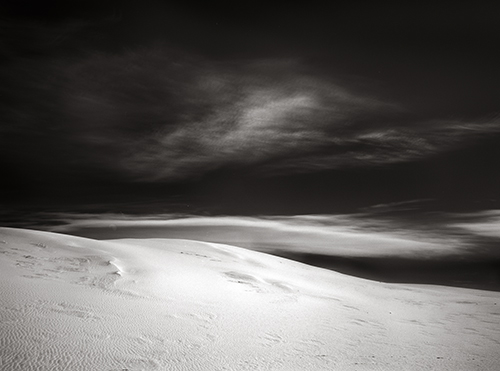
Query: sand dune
point(70, 303)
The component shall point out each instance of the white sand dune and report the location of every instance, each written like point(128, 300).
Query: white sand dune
point(70, 303)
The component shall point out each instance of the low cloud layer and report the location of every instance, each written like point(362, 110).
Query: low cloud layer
point(328, 235)
point(484, 223)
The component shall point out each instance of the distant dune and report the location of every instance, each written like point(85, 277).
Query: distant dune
point(71, 303)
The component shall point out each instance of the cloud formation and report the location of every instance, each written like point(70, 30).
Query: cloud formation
point(484, 223)
point(154, 114)
point(335, 235)
point(171, 117)
point(178, 117)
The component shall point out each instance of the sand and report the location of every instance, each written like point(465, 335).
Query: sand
point(71, 303)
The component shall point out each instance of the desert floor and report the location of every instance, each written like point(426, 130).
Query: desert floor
point(71, 303)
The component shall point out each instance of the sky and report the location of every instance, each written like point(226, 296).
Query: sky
point(246, 108)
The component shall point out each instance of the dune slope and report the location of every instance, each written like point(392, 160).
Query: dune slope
point(70, 303)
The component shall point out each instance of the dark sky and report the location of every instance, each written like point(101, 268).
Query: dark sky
point(246, 107)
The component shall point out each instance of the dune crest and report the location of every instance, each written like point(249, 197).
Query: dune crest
point(71, 303)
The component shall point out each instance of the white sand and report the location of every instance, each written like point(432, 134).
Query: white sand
point(69, 303)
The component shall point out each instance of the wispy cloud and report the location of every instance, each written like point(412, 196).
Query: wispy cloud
point(333, 235)
point(483, 223)
point(174, 117)
point(428, 235)
point(158, 115)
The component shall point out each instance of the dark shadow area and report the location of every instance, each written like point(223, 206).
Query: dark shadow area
point(480, 274)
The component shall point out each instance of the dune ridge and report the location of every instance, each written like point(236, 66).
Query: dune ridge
point(71, 303)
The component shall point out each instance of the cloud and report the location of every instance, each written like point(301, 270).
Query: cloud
point(175, 117)
point(172, 117)
point(335, 235)
point(154, 114)
point(472, 235)
point(484, 223)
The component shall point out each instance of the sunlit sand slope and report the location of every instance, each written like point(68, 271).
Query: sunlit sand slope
point(70, 303)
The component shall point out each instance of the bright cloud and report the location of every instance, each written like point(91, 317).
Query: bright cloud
point(486, 223)
point(335, 235)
